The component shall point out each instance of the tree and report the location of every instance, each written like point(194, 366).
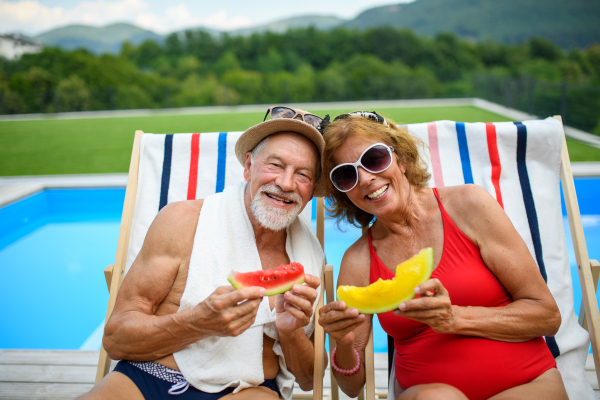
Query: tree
point(73, 94)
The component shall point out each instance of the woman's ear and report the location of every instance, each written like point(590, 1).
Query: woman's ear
point(402, 167)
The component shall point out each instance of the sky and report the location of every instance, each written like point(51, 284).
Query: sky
point(32, 17)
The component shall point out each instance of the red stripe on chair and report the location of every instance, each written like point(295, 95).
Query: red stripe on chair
point(434, 151)
point(490, 130)
point(193, 180)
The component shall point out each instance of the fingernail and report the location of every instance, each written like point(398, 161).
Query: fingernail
point(402, 306)
point(354, 312)
point(417, 290)
point(263, 291)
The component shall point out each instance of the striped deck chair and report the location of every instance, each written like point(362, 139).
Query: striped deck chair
point(522, 165)
point(174, 167)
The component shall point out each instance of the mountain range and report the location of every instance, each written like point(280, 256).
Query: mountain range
point(566, 23)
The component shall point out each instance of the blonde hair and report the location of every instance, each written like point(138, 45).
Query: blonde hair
point(406, 147)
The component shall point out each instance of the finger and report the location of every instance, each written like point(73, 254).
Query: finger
point(312, 281)
point(434, 285)
point(342, 328)
point(246, 307)
point(424, 303)
point(246, 293)
point(305, 291)
point(241, 325)
point(334, 315)
point(300, 315)
point(334, 306)
point(341, 324)
point(300, 303)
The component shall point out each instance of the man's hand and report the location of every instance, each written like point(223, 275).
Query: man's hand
point(227, 311)
point(295, 307)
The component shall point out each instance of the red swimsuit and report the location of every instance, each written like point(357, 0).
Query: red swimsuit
point(479, 367)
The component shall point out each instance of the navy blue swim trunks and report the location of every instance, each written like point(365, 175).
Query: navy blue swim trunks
point(157, 382)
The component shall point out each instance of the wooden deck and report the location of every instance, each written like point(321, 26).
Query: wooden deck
point(61, 374)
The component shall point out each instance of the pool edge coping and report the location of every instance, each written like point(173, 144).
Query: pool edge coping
point(13, 188)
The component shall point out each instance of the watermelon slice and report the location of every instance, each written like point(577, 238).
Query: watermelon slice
point(276, 281)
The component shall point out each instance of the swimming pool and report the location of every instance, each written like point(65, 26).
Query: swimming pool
point(55, 244)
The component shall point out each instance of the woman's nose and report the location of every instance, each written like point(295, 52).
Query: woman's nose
point(364, 176)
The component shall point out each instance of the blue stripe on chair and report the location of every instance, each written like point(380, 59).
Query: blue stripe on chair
point(532, 219)
point(464, 152)
point(221, 162)
point(166, 172)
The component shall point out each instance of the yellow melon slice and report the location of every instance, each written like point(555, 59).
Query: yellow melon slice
point(383, 296)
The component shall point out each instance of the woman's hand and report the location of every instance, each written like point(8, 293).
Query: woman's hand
point(433, 308)
point(340, 322)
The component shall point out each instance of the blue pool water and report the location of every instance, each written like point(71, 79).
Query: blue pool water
point(54, 246)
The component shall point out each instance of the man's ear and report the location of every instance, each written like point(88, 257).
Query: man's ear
point(247, 166)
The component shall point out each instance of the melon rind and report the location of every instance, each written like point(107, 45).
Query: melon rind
point(272, 292)
point(352, 295)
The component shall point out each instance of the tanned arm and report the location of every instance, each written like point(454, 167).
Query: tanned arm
point(532, 313)
point(134, 332)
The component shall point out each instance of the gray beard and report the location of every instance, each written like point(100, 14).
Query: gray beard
point(274, 218)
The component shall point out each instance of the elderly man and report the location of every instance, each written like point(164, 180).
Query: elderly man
point(181, 327)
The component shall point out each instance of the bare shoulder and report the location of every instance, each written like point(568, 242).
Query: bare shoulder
point(354, 269)
point(473, 210)
point(176, 220)
point(168, 244)
point(462, 198)
point(171, 234)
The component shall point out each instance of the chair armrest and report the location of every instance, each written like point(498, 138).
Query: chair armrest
point(595, 267)
point(108, 273)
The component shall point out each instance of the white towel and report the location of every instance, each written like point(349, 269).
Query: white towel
point(224, 241)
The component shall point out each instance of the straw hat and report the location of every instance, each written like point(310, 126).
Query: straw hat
point(249, 139)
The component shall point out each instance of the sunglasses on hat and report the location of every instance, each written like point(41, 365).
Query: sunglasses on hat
point(278, 112)
point(372, 115)
point(375, 159)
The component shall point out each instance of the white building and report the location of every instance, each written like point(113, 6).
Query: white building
point(13, 46)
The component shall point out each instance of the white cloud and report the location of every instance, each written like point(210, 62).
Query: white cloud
point(32, 17)
point(220, 20)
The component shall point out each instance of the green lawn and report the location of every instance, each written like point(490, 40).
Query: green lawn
point(103, 145)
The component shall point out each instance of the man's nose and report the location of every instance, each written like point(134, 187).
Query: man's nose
point(286, 180)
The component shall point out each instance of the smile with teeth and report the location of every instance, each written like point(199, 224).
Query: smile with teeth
point(378, 193)
point(279, 198)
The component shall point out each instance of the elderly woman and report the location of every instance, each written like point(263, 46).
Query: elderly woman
point(475, 330)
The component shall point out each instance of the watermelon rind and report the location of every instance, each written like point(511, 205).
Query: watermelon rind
point(427, 253)
point(270, 292)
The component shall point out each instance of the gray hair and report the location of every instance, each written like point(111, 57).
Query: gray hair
point(258, 148)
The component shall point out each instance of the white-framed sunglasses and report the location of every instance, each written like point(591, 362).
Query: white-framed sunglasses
point(375, 159)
